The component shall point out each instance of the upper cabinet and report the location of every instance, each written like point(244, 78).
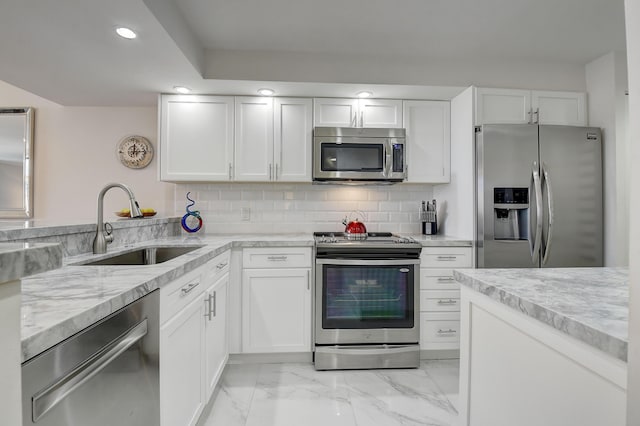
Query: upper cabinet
point(254, 139)
point(293, 132)
point(428, 125)
point(330, 112)
point(196, 138)
point(511, 106)
point(226, 138)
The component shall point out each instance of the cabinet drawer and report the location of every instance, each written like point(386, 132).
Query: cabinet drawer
point(440, 300)
point(439, 328)
point(217, 267)
point(445, 257)
point(438, 279)
point(285, 257)
point(178, 294)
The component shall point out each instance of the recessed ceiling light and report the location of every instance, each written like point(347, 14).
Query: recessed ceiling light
point(127, 33)
point(182, 89)
point(364, 94)
point(266, 92)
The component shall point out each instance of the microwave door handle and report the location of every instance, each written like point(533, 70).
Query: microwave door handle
point(388, 159)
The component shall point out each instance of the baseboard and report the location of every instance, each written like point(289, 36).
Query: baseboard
point(440, 354)
point(270, 358)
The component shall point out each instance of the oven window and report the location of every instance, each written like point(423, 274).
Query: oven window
point(347, 157)
point(356, 296)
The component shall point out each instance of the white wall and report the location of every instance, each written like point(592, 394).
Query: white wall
point(632, 14)
point(303, 207)
point(385, 69)
point(75, 156)
point(456, 197)
point(606, 79)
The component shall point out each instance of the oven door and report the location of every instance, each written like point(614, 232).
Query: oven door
point(367, 301)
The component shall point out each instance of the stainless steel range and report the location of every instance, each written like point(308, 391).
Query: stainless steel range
point(366, 302)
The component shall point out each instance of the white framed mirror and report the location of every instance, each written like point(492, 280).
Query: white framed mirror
point(16, 162)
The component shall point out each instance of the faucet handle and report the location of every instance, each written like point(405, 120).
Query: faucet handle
point(108, 230)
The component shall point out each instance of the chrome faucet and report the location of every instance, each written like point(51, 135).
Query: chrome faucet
point(103, 235)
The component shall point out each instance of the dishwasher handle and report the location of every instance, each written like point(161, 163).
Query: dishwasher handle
point(48, 398)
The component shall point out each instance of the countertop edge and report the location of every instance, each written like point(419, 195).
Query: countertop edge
point(20, 260)
point(598, 339)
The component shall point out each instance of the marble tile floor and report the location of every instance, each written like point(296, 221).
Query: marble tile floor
point(297, 395)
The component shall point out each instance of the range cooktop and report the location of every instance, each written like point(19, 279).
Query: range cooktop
point(379, 242)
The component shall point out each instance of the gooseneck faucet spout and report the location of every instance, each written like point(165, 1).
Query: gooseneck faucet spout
point(104, 236)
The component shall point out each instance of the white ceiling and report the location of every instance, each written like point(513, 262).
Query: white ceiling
point(66, 50)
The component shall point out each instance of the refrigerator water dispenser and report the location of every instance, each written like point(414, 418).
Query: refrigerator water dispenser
point(510, 213)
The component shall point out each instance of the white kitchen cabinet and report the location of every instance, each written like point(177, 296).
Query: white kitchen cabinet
point(276, 310)
point(514, 106)
point(440, 298)
point(276, 300)
point(254, 139)
point(182, 367)
point(329, 112)
point(428, 141)
point(216, 332)
point(196, 138)
point(293, 131)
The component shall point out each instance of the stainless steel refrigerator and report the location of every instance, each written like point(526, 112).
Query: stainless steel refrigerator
point(538, 196)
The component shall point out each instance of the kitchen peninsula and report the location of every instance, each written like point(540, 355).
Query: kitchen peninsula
point(546, 346)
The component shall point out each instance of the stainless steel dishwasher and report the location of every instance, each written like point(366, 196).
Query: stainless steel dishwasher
point(106, 374)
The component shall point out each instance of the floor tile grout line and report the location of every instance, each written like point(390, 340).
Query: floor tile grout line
point(438, 386)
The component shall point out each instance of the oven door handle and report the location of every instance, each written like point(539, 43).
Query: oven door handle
point(368, 262)
point(48, 398)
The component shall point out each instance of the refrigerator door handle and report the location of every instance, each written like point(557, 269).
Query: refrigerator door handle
point(547, 183)
point(534, 245)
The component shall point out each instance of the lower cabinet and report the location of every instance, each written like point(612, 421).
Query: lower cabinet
point(440, 296)
point(215, 330)
point(193, 341)
point(182, 396)
point(276, 306)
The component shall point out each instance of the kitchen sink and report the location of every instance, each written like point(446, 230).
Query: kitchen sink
point(144, 256)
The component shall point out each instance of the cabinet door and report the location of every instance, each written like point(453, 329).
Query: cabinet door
point(276, 310)
point(182, 393)
point(380, 113)
point(293, 130)
point(216, 346)
point(428, 126)
point(563, 108)
point(503, 106)
point(254, 139)
point(196, 138)
point(330, 112)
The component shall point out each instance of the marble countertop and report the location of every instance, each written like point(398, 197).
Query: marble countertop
point(59, 303)
point(20, 260)
point(589, 304)
point(439, 240)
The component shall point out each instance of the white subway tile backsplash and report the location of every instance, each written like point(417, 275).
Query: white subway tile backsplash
point(303, 207)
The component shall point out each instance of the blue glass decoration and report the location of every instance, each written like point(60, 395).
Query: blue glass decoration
point(192, 217)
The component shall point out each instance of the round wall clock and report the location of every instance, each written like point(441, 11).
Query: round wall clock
point(135, 152)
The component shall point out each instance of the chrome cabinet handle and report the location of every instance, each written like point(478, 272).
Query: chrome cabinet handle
point(277, 258)
point(530, 114)
point(447, 257)
point(208, 302)
point(188, 288)
point(270, 171)
point(48, 398)
point(534, 245)
point(221, 265)
point(275, 176)
point(230, 171)
point(537, 114)
point(308, 281)
point(550, 212)
point(447, 279)
point(215, 303)
point(448, 331)
point(447, 302)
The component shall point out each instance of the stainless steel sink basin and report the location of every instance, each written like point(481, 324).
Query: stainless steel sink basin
point(144, 256)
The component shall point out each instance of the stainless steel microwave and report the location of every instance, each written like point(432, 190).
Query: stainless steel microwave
point(343, 154)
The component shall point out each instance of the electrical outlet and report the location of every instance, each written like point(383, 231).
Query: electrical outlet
point(245, 214)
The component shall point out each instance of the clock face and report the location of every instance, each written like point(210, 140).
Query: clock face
point(135, 152)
